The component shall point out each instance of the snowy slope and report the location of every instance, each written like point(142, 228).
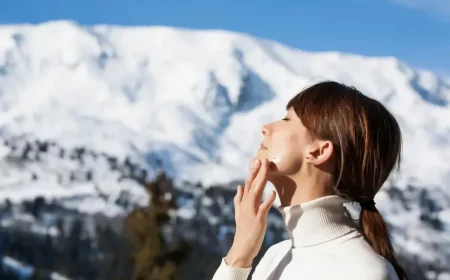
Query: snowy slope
point(76, 178)
point(198, 98)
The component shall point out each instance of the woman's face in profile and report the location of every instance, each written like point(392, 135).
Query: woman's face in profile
point(284, 144)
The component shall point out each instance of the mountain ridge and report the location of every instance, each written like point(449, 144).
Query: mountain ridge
point(166, 90)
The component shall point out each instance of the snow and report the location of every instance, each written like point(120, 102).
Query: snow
point(53, 179)
point(57, 276)
point(136, 89)
point(141, 78)
point(22, 269)
point(186, 213)
point(12, 262)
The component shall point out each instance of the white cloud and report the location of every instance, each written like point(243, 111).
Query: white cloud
point(439, 8)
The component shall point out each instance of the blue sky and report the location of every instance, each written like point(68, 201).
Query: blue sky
point(415, 31)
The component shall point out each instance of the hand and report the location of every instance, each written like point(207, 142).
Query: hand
point(250, 216)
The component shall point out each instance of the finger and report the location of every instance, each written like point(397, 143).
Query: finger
point(254, 168)
point(260, 180)
point(238, 197)
point(264, 208)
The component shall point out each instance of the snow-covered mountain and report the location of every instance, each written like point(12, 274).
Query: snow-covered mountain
point(196, 98)
point(193, 102)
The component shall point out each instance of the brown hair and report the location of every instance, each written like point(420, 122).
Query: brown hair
point(367, 144)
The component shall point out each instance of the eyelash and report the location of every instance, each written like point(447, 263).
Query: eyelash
point(285, 119)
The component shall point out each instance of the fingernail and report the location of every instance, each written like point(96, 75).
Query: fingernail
point(257, 163)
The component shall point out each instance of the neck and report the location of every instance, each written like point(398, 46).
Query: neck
point(317, 221)
point(292, 192)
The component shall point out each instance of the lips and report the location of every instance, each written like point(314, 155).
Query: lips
point(263, 147)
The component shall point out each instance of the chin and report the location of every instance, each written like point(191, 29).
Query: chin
point(282, 169)
point(274, 164)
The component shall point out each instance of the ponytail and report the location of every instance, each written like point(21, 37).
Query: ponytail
point(376, 232)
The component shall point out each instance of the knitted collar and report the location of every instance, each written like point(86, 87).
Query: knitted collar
point(317, 221)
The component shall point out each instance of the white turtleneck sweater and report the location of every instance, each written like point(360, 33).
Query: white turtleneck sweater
point(324, 244)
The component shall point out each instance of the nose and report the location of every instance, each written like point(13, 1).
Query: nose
point(265, 130)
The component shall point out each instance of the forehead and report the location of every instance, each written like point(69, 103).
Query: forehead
point(290, 110)
point(295, 120)
point(292, 114)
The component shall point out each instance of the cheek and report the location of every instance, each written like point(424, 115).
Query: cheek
point(286, 155)
point(283, 147)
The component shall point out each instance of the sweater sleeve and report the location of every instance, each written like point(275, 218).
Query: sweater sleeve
point(226, 272)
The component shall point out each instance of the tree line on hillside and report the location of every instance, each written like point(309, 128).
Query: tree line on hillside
point(147, 244)
point(138, 251)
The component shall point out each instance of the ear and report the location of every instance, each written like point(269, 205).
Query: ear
point(320, 152)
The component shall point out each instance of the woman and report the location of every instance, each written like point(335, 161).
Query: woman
point(334, 146)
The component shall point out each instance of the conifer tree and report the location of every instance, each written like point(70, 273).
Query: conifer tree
point(153, 257)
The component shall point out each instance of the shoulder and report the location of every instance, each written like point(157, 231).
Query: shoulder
point(364, 263)
point(373, 268)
